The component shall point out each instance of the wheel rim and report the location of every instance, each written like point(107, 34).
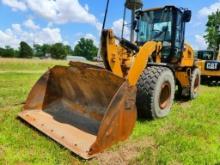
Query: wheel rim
point(165, 95)
point(196, 84)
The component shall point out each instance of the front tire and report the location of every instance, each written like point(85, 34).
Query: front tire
point(155, 92)
point(195, 81)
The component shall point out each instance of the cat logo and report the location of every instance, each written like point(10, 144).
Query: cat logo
point(212, 66)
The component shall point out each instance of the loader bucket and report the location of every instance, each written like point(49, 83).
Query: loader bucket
point(83, 107)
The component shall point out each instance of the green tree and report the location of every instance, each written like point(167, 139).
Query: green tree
point(25, 50)
point(58, 51)
point(86, 48)
point(69, 50)
point(8, 52)
point(41, 50)
point(212, 31)
point(2, 52)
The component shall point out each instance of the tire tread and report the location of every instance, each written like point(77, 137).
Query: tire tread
point(145, 91)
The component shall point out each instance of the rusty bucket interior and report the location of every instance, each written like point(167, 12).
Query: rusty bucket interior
point(83, 107)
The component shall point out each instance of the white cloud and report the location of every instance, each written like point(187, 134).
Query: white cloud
point(6, 38)
point(48, 35)
point(87, 7)
point(14, 35)
point(57, 11)
point(90, 36)
point(200, 42)
point(45, 8)
point(117, 28)
point(16, 28)
point(63, 11)
point(205, 11)
point(30, 24)
point(15, 4)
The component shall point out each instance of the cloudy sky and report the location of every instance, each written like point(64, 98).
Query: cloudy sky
point(50, 21)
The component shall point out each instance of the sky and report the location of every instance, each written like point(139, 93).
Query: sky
point(51, 21)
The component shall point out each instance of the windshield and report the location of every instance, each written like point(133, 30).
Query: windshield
point(155, 25)
point(206, 55)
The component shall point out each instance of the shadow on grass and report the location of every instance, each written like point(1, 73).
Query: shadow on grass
point(211, 83)
point(181, 99)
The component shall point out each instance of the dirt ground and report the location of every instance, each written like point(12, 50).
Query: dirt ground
point(124, 154)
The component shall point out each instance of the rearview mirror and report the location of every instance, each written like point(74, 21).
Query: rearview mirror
point(138, 14)
point(187, 14)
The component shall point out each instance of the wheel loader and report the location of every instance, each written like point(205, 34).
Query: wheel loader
point(87, 108)
point(209, 65)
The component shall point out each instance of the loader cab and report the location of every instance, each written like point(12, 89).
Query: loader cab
point(206, 55)
point(166, 25)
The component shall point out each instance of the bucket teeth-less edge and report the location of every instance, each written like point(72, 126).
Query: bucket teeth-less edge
point(84, 108)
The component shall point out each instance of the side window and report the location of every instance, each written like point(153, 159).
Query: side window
point(179, 35)
point(162, 31)
point(179, 31)
point(143, 29)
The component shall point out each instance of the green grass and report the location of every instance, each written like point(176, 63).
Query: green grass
point(189, 135)
point(16, 65)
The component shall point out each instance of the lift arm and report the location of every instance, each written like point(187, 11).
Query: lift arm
point(141, 61)
point(114, 56)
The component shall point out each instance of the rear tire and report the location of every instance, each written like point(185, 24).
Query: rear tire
point(195, 81)
point(155, 92)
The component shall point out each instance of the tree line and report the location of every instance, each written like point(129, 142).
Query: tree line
point(212, 35)
point(84, 48)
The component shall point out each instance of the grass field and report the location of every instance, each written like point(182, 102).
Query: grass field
point(189, 135)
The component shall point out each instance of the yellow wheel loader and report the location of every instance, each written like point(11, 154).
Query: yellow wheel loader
point(209, 65)
point(87, 108)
